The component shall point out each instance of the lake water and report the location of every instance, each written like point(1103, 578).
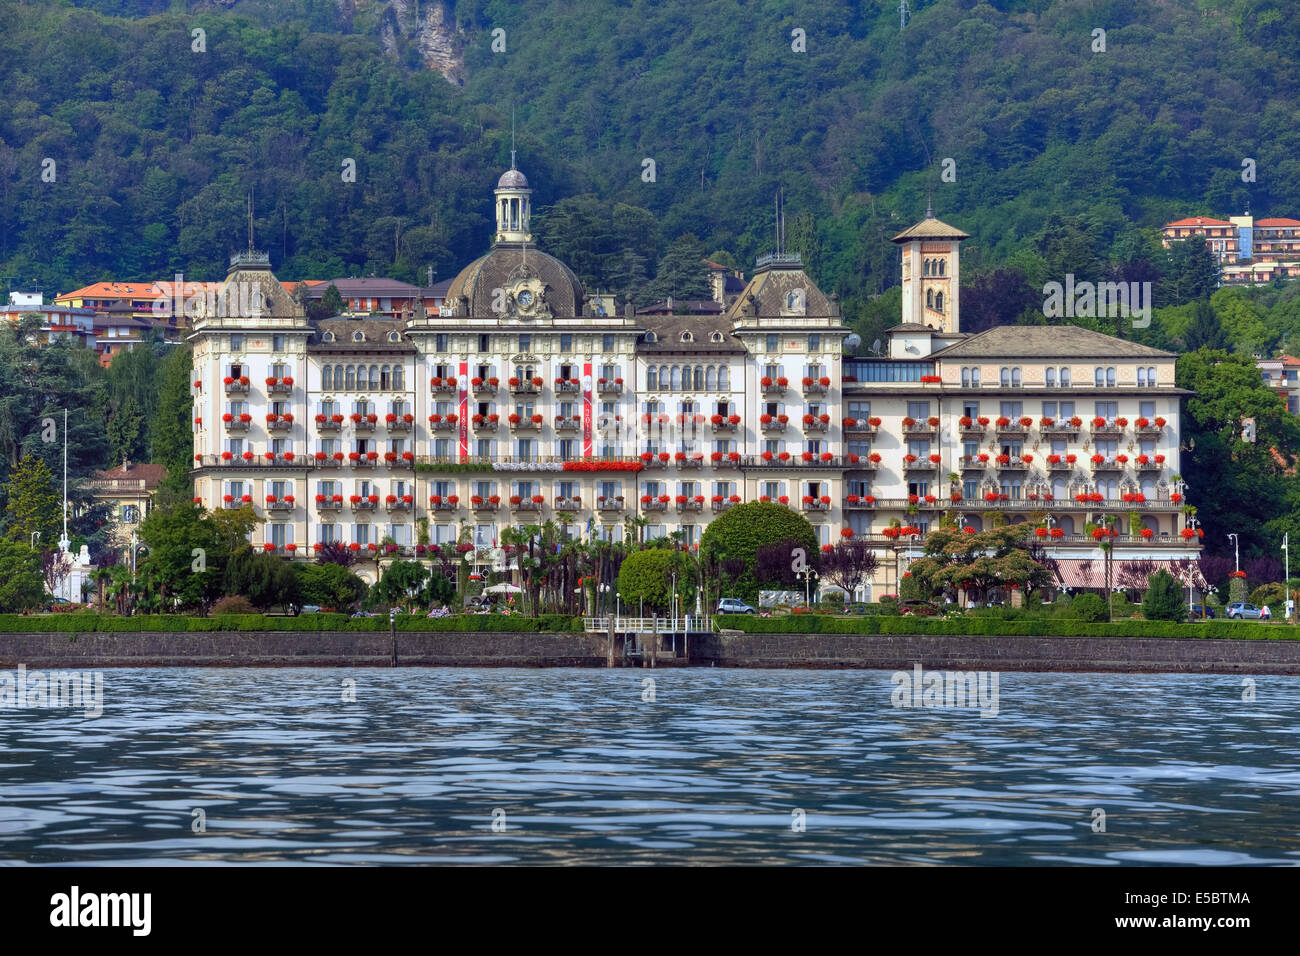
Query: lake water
point(723, 766)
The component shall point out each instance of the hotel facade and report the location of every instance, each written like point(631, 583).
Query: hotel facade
point(524, 399)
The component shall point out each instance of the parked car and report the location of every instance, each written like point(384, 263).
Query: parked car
point(858, 608)
point(1200, 611)
point(1242, 611)
point(734, 606)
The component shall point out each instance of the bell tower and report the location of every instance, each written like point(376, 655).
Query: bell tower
point(514, 206)
point(931, 273)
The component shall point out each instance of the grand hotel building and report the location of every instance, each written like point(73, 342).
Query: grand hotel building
point(525, 399)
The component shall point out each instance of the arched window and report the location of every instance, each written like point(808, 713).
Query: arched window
point(938, 302)
point(374, 377)
point(925, 267)
point(711, 378)
point(942, 263)
point(1065, 376)
point(1151, 375)
point(664, 379)
point(1049, 376)
point(929, 298)
point(699, 377)
point(1015, 377)
point(385, 378)
point(327, 378)
point(677, 377)
point(1099, 376)
point(1110, 375)
point(652, 377)
point(358, 337)
point(352, 378)
point(399, 377)
point(724, 379)
point(1004, 377)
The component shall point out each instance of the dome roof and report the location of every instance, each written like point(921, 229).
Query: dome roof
point(510, 263)
point(512, 179)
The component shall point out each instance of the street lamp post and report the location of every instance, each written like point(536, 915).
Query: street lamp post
point(36, 536)
point(1236, 557)
point(1286, 575)
point(807, 574)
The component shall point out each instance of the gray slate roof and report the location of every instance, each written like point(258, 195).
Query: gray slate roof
point(1047, 341)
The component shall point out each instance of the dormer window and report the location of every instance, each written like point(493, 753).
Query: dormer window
point(327, 337)
point(794, 300)
point(716, 337)
point(394, 337)
point(651, 338)
point(358, 336)
point(687, 337)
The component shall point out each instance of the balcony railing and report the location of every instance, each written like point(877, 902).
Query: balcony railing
point(236, 388)
point(774, 388)
point(279, 387)
point(365, 504)
point(398, 424)
point(444, 386)
point(609, 388)
point(278, 423)
point(523, 388)
point(567, 385)
point(816, 504)
point(921, 464)
point(1012, 428)
point(725, 425)
point(444, 503)
point(919, 428)
point(237, 424)
point(863, 463)
point(485, 504)
point(567, 423)
point(399, 505)
point(573, 503)
point(485, 424)
point(525, 424)
point(526, 504)
point(859, 426)
point(485, 389)
point(328, 424)
point(814, 388)
point(1109, 428)
point(442, 423)
point(774, 425)
point(610, 504)
point(364, 424)
point(974, 463)
point(279, 505)
point(816, 425)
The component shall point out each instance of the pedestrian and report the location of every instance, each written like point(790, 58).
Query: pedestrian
point(1265, 613)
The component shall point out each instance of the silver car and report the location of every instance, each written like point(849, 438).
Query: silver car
point(1241, 611)
point(734, 606)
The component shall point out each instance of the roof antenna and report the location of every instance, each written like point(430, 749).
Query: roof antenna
point(929, 206)
point(512, 136)
point(250, 221)
point(782, 220)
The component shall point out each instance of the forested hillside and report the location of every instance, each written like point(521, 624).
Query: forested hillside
point(156, 146)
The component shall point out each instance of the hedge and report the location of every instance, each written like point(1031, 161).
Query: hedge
point(992, 627)
point(74, 623)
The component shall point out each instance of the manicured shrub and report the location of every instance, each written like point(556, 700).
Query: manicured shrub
point(235, 604)
point(1087, 607)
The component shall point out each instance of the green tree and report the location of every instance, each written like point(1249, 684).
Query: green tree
point(172, 430)
point(33, 503)
point(1205, 331)
point(126, 438)
point(646, 576)
point(402, 584)
point(21, 586)
point(1163, 600)
point(731, 542)
point(169, 569)
point(977, 563)
point(1089, 608)
point(330, 585)
point(682, 273)
point(265, 580)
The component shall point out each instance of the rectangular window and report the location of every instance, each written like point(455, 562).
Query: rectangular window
point(1106, 410)
point(440, 342)
point(1012, 410)
point(485, 345)
point(773, 342)
point(1147, 409)
point(814, 343)
point(277, 343)
point(525, 342)
point(566, 343)
point(607, 343)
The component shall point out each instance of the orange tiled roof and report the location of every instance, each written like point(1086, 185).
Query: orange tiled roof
point(1269, 223)
point(135, 290)
point(1198, 221)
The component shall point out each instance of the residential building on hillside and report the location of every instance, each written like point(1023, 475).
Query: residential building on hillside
point(1282, 374)
point(1248, 250)
point(523, 398)
point(128, 490)
point(375, 296)
point(58, 322)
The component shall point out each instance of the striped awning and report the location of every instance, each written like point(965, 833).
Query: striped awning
point(1125, 573)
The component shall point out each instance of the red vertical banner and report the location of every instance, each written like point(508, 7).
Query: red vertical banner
point(462, 421)
point(586, 410)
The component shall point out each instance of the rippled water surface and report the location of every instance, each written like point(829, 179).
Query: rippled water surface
point(580, 769)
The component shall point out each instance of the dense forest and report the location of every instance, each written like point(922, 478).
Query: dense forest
point(133, 132)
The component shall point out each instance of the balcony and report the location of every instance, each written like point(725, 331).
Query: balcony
point(814, 424)
point(440, 503)
point(1108, 464)
point(325, 459)
point(1011, 463)
point(724, 425)
point(363, 459)
point(1108, 429)
point(1149, 428)
point(690, 504)
point(775, 386)
point(399, 423)
point(571, 385)
point(486, 423)
point(485, 388)
point(919, 465)
point(279, 386)
point(279, 423)
point(236, 386)
point(279, 504)
point(919, 428)
point(364, 504)
point(769, 423)
point(1011, 426)
point(525, 504)
point(859, 501)
point(605, 387)
point(609, 504)
point(693, 460)
point(567, 423)
point(730, 459)
point(863, 462)
point(393, 503)
point(479, 503)
point(654, 504)
point(1067, 429)
point(443, 386)
point(328, 423)
point(1061, 463)
point(974, 462)
point(235, 423)
point(815, 386)
point(325, 503)
point(861, 426)
point(572, 503)
point(394, 460)
point(972, 427)
point(442, 423)
point(651, 459)
point(526, 423)
point(1151, 464)
point(816, 504)
point(721, 504)
point(522, 387)
point(364, 423)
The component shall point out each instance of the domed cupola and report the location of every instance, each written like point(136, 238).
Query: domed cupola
point(514, 207)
